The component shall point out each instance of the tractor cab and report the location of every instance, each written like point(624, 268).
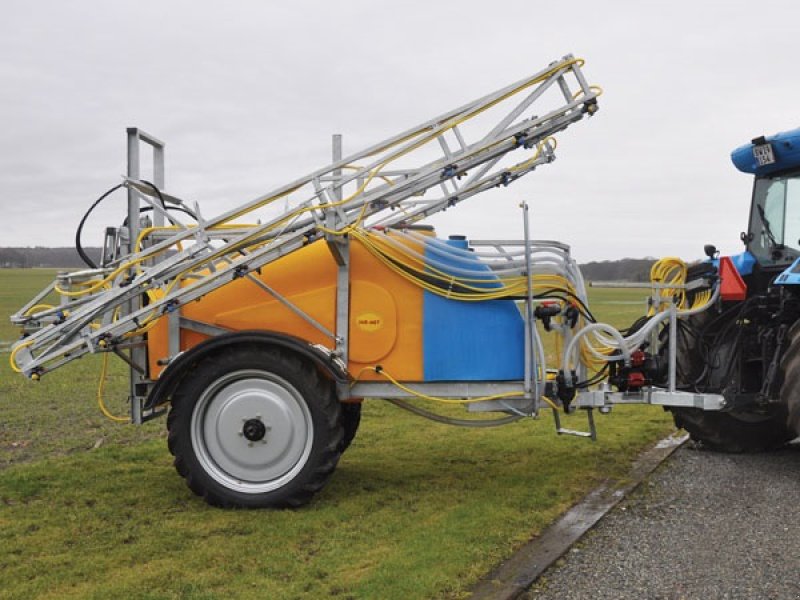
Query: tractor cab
point(773, 236)
point(772, 239)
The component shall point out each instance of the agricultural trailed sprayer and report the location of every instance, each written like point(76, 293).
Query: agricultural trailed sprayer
point(262, 330)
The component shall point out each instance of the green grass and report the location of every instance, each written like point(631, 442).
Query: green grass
point(414, 510)
point(17, 286)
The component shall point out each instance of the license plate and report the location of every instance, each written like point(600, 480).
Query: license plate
point(764, 155)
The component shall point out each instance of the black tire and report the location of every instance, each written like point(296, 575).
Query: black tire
point(255, 427)
point(734, 432)
point(790, 388)
point(729, 431)
point(792, 334)
point(351, 419)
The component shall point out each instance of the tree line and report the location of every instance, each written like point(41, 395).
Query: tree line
point(59, 258)
point(626, 269)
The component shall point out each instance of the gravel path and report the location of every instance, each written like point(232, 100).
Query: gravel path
point(703, 526)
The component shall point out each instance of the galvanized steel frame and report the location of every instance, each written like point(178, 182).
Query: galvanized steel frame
point(392, 203)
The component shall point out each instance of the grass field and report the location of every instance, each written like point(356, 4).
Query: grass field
point(92, 509)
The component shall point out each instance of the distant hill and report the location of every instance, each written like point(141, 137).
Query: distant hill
point(59, 258)
point(626, 269)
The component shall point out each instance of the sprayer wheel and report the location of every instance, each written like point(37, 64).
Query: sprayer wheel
point(350, 419)
point(255, 427)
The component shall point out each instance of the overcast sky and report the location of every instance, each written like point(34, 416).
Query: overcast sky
point(247, 94)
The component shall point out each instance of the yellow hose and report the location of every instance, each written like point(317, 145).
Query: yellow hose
point(101, 384)
point(36, 307)
point(405, 388)
point(428, 134)
point(431, 133)
point(12, 359)
point(669, 271)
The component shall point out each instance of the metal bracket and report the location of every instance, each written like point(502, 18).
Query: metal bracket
point(651, 395)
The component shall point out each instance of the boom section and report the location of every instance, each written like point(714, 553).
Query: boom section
point(486, 143)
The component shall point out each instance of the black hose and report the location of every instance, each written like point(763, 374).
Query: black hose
point(78, 245)
point(712, 342)
point(163, 204)
point(181, 209)
point(596, 378)
point(450, 420)
point(636, 326)
point(160, 197)
point(555, 292)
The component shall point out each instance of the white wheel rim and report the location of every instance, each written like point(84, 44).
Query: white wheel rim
point(252, 431)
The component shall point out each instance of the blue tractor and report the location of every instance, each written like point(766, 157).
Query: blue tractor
point(747, 347)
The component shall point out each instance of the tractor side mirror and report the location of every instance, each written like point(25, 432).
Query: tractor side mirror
point(710, 251)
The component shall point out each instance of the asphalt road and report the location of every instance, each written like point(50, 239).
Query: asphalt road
point(703, 526)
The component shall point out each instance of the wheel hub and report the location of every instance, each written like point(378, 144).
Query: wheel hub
point(254, 430)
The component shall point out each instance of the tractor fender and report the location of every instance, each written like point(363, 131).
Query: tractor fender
point(322, 357)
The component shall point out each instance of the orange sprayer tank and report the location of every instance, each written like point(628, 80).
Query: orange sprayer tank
point(380, 301)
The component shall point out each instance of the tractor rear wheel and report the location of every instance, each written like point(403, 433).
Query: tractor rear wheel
point(729, 431)
point(734, 431)
point(794, 332)
point(790, 389)
point(253, 427)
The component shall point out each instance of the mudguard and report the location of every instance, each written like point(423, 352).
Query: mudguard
point(177, 369)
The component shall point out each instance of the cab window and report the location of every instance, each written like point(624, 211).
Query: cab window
point(775, 219)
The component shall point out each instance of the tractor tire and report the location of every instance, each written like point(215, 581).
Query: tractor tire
point(728, 431)
point(790, 389)
point(255, 427)
point(734, 432)
point(794, 332)
point(350, 419)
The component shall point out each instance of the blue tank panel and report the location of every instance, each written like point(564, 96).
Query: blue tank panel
point(469, 341)
point(786, 150)
point(743, 262)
